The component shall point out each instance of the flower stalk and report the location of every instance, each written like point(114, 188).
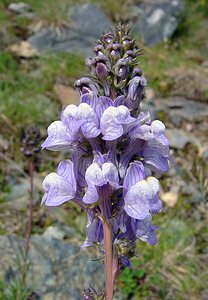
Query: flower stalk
point(108, 248)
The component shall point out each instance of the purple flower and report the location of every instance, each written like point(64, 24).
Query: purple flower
point(156, 156)
point(135, 92)
point(94, 230)
point(113, 120)
point(141, 195)
point(62, 134)
point(98, 174)
point(155, 130)
point(85, 85)
point(113, 149)
point(133, 229)
point(61, 186)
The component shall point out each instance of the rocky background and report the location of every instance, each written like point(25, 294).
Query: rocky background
point(42, 49)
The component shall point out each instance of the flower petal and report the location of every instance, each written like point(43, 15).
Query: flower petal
point(110, 173)
point(94, 175)
point(57, 190)
point(66, 170)
point(158, 129)
point(154, 201)
point(119, 101)
point(134, 174)
point(90, 124)
point(136, 200)
point(155, 160)
point(112, 120)
point(91, 195)
point(59, 137)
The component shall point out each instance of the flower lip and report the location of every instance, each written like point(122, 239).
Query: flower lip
point(61, 186)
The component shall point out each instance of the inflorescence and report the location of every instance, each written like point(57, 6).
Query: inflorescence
point(114, 149)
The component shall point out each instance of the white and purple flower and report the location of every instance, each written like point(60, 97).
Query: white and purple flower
point(113, 149)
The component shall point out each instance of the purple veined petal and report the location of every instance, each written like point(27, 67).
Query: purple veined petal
point(71, 118)
point(70, 111)
point(76, 157)
point(136, 210)
point(150, 238)
point(111, 131)
point(90, 129)
point(89, 121)
point(91, 195)
point(142, 119)
point(102, 104)
point(110, 173)
point(125, 261)
point(135, 146)
point(119, 101)
point(100, 158)
point(135, 92)
point(86, 112)
point(59, 137)
point(94, 175)
point(112, 120)
point(90, 99)
point(57, 190)
point(84, 163)
point(142, 132)
point(158, 129)
point(145, 231)
point(136, 200)
point(155, 146)
point(155, 205)
point(134, 174)
point(122, 221)
point(154, 160)
point(66, 170)
point(154, 184)
point(154, 201)
point(94, 233)
point(122, 115)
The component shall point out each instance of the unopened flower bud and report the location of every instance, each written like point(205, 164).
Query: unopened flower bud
point(127, 42)
point(121, 72)
point(107, 38)
point(136, 87)
point(85, 85)
point(101, 66)
point(129, 55)
point(137, 72)
point(98, 49)
point(88, 62)
point(115, 51)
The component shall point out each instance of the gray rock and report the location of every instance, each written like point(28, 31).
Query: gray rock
point(157, 20)
point(19, 8)
point(179, 138)
point(89, 22)
point(188, 110)
point(58, 270)
point(189, 83)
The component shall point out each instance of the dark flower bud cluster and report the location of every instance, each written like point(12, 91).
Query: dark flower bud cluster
point(114, 67)
point(31, 141)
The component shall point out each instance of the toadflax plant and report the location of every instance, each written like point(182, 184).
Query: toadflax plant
point(114, 151)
